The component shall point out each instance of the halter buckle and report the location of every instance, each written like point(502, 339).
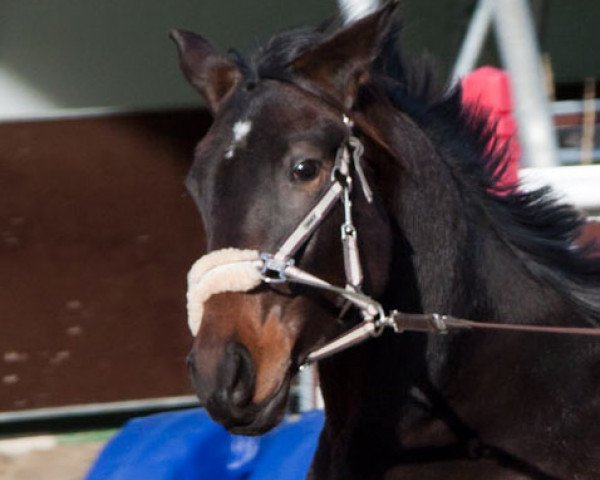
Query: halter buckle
point(273, 268)
point(348, 230)
point(382, 321)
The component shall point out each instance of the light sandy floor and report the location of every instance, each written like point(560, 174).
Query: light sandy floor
point(63, 462)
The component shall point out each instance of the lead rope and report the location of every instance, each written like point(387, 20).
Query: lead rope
point(435, 323)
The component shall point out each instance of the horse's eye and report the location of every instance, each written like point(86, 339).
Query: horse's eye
point(306, 170)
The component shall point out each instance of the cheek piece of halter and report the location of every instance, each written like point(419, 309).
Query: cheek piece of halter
point(279, 267)
point(245, 270)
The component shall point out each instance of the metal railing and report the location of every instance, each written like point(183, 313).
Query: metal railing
point(517, 43)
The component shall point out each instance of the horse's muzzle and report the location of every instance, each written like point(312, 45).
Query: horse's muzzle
point(228, 397)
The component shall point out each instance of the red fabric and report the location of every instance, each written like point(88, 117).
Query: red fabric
point(488, 89)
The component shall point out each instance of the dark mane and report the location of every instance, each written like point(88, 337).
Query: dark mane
point(273, 60)
point(541, 230)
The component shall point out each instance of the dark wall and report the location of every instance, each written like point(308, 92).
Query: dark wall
point(96, 236)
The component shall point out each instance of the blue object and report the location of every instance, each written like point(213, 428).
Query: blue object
point(188, 445)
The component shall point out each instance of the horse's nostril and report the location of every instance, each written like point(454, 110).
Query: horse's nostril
point(240, 376)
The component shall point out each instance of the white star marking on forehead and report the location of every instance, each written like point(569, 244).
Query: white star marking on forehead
point(241, 129)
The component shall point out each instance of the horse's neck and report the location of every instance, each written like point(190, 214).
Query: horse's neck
point(463, 266)
point(461, 262)
point(469, 271)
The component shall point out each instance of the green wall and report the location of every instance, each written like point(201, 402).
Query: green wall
point(85, 53)
point(90, 53)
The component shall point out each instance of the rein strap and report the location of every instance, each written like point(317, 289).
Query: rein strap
point(432, 323)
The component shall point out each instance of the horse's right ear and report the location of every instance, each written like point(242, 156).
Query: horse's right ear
point(213, 75)
point(341, 64)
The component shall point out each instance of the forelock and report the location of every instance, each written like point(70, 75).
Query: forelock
point(273, 60)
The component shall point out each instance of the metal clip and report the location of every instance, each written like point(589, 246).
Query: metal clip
point(439, 323)
point(383, 321)
point(357, 152)
point(273, 268)
point(347, 203)
point(347, 230)
point(352, 265)
point(341, 167)
point(347, 121)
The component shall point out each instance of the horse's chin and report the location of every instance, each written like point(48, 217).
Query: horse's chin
point(258, 419)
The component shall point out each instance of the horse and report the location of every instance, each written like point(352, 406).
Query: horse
point(435, 233)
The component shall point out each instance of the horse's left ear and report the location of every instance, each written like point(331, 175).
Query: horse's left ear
point(212, 74)
point(341, 64)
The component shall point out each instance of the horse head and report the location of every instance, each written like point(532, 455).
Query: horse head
point(266, 160)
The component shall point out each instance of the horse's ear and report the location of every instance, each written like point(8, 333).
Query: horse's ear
point(212, 74)
point(340, 65)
